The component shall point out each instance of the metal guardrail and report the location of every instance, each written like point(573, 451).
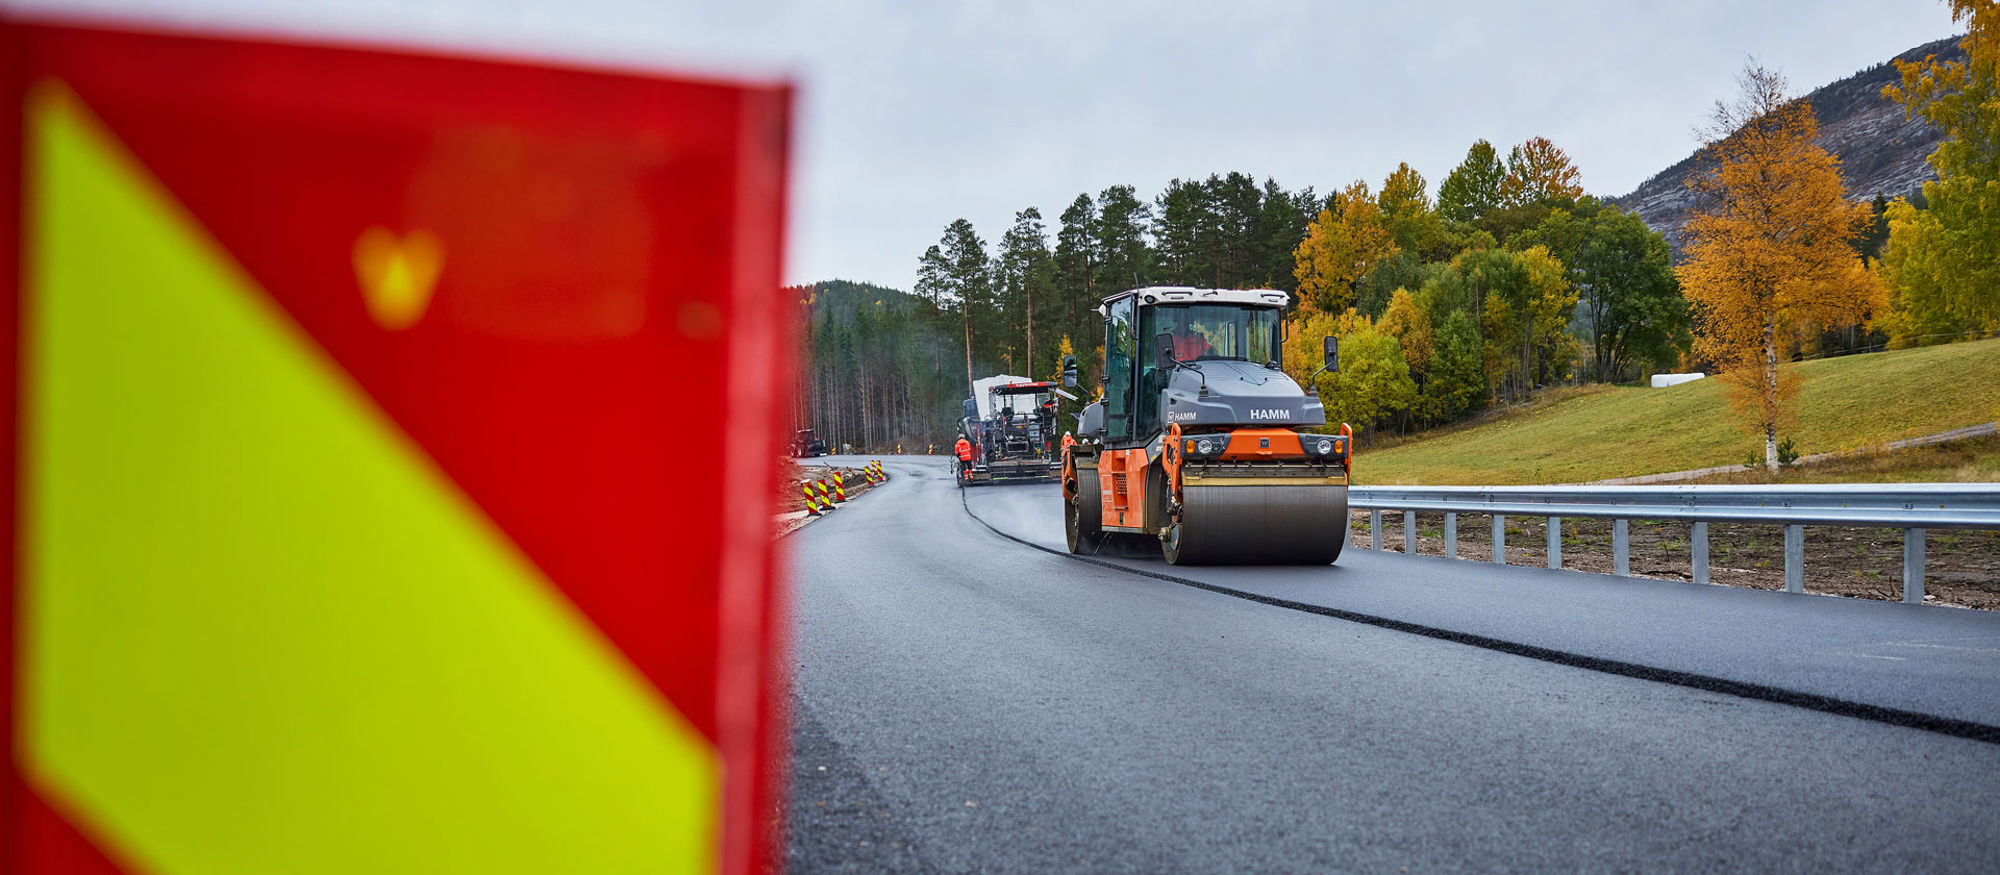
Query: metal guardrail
point(1914, 508)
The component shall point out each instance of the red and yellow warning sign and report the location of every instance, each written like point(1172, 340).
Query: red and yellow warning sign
point(352, 397)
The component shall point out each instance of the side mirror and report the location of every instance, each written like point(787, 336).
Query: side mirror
point(1069, 371)
point(1332, 363)
point(1164, 342)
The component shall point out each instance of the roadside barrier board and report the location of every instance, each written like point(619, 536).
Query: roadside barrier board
point(352, 393)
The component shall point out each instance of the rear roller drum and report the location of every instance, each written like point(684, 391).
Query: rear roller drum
point(1081, 520)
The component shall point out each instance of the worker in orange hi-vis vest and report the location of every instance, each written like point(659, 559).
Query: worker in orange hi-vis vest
point(964, 450)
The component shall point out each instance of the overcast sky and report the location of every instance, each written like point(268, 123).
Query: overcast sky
point(914, 114)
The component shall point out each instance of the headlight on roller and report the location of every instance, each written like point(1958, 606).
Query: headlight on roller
point(1204, 446)
point(1325, 447)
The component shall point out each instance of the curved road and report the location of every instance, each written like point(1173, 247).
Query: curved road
point(964, 701)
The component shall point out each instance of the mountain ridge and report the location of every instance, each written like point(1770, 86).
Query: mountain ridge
point(1881, 153)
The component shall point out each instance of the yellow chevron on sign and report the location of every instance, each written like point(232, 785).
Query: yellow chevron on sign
point(262, 632)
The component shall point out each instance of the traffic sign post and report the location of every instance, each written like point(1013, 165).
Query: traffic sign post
point(351, 393)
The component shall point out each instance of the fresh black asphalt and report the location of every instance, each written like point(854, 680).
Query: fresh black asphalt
point(963, 702)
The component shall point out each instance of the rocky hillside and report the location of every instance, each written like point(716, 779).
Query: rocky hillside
point(1881, 153)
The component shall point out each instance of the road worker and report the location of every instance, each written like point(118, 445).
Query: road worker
point(964, 450)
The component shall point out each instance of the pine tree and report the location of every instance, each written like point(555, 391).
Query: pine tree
point(1229, 240)
point(1026, 275)
point(1076, 272)
point(968, 279)
point(1123, 258)
point(1281, 226)
point(1183, 230)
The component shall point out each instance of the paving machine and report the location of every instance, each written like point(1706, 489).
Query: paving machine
point(1200, 440)
point(1011, 423)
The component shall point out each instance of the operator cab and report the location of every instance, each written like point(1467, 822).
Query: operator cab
point(1199, 358)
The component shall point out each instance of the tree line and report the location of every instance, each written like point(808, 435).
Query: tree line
point(1509, 279)
point(874, 369)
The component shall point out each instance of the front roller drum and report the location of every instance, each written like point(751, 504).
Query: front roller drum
point(1082, 522)
point(1258, 525)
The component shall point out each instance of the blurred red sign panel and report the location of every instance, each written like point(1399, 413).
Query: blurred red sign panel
point(393, 441)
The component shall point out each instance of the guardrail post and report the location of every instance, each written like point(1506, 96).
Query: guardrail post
point(1555, 542)
point(1698, 542)
point(1913, 566)
point(1410, 532)
point(1451, 536)
point(1375, 530)
point(1499, 539)
point(1795, 559)
point(1621, 549)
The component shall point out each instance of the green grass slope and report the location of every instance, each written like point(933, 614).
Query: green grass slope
point(1845, 403)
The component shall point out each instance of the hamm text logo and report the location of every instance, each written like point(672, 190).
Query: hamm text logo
point(1263, 413)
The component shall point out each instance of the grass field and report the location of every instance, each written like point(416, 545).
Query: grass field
point(1594, 433)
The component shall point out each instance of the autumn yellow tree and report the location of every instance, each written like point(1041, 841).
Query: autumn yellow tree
point(1942, 264)
point(1374, 379)
point(1410, 324)
point(1768, 247)
point(1340, 248)
point(1539, 172)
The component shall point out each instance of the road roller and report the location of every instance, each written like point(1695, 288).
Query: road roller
point(1199, 439)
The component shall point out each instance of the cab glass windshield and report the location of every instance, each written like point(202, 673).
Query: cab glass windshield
point(1216, 331)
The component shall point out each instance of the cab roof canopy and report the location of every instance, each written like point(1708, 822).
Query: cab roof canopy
point(1192, 295)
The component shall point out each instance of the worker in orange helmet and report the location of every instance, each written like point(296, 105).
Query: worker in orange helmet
point(964, 450)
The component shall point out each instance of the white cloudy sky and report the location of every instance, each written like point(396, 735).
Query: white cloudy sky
point(916, 113)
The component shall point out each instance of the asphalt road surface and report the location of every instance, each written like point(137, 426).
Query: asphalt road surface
point(964, 701)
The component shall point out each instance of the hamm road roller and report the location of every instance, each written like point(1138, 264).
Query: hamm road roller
point(1200, 439)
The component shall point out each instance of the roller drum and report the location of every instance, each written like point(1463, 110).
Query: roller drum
point(1081, 517)
point(1278, 524)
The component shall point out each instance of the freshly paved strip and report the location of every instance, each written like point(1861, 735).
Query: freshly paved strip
point(979, 705)
point(1919, 659)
